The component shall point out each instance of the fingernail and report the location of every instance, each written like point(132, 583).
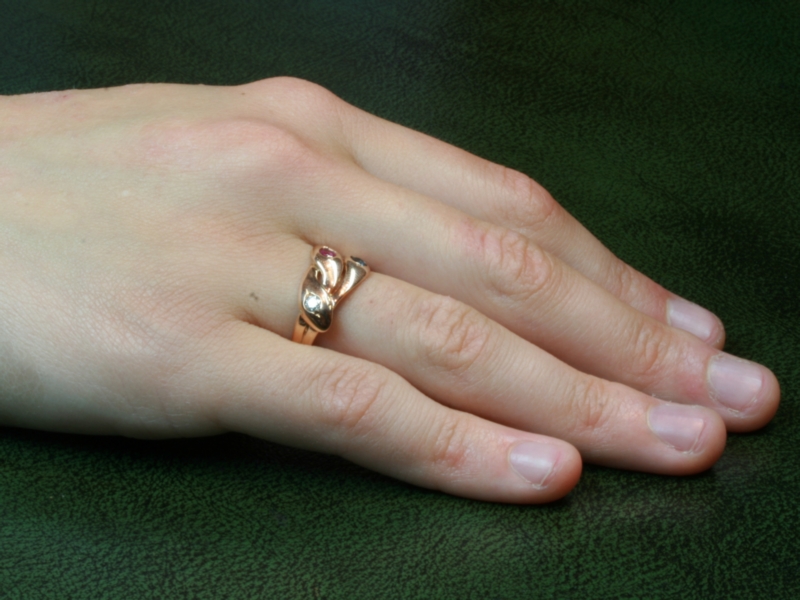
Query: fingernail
point(693, 318)
point(534, 461)
point(676, 425)
point(734, 382)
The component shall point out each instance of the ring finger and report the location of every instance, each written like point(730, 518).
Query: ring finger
point(514, 282)
point(498, 195)
point(466, 361)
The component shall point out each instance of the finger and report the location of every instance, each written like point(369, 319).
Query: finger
point(456, 355)
point(506, 197)
point(309, 397)
point(475, 186)
point(515, 282)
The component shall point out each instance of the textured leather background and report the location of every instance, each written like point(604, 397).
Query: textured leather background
point(671, 128)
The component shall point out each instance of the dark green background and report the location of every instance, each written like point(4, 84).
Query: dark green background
point(671, 129)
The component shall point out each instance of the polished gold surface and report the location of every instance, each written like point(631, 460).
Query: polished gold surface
point(329, 279)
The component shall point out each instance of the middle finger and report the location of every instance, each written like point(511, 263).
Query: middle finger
point(516, 283)
point(462, 359)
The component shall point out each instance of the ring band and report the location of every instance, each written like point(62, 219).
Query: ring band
point(329, 279)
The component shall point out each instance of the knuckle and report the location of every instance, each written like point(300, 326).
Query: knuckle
point(450, 447)
point(524, 204)
point(449, 335)
point(301, 90)
point(515, 267)
point(313, 107)
point(349, 398)
point(591, 404)
point(620, 279)
point(256, 144)
point(650, 343)
point(279, 150)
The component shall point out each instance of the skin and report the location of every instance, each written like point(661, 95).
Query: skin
point(153, 239)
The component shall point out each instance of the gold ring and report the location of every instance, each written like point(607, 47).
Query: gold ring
point(329, 279)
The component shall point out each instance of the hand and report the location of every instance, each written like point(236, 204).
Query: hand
point(153, 239)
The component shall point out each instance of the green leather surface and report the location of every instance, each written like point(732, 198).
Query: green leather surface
point(670, 128)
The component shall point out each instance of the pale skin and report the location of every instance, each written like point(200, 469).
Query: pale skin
point(153, 239)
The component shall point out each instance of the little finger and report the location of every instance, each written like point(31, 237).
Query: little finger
point(314, 398)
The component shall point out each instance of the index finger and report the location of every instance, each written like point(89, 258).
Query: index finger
point(506, 197)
